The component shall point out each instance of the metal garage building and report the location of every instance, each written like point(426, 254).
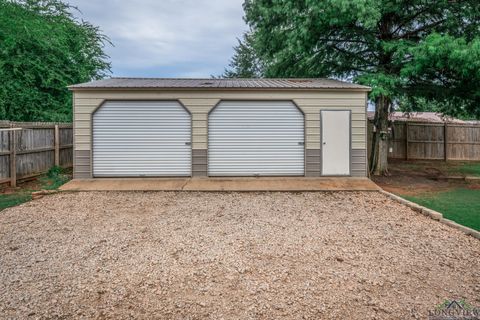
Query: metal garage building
point(137, 127)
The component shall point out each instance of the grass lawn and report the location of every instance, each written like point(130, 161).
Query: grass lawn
point(469, 169)
point(422, 182)
point(460, 205)
point(52, 180)
point(14, 199)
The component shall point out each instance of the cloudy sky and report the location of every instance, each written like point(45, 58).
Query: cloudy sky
point(167, 38)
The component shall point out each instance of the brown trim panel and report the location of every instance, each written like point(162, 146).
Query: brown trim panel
point(358, 160)
point(312, 162)
point(199, 163)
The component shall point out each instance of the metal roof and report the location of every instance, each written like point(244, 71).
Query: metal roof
point(169, 83)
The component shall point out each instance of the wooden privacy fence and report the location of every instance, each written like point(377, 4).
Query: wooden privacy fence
point(28, 149)
point(433, 141)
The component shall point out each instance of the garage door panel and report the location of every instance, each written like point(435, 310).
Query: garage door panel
point(256, 138)
point(148, 138)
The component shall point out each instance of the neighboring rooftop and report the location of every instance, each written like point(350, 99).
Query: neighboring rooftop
point(167, 83)
point(422, 117)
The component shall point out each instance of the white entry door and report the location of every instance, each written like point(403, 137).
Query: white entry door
point(335, 143)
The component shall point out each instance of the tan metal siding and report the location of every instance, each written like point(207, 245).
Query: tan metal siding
point(199, 103)
point(73, 135)
point(199, 107)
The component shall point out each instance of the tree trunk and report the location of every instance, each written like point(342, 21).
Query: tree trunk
point(379, 155)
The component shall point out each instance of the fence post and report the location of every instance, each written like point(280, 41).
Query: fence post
point(445, 140)
point(57, 146)
point(406, 140)
point(13, 158)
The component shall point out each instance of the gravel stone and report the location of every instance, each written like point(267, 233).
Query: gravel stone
point(182, 255)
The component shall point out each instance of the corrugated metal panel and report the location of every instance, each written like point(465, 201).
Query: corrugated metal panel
point(317, 83)
point(256, 138)
point(141, 139)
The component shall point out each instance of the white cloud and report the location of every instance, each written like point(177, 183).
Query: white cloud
point(167, 37)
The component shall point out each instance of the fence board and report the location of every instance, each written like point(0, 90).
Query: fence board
point(34, 148)
point(398, 142)
point(66, 157)
point(426, 141)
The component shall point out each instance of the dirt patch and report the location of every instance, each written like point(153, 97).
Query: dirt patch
point(420, 177)
point(407, 183)
point(351, 255)
point(34, 183)
point(31, 184)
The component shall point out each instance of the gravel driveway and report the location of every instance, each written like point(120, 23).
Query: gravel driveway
point(169, 255)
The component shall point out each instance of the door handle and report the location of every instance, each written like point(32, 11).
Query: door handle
point(188, 143)
point(324, 143)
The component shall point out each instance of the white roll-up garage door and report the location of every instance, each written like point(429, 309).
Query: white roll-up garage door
point(263, 138)
point(136, 139)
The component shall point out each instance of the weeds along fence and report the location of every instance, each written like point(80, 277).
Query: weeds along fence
point(432, 141)
point(28, 149)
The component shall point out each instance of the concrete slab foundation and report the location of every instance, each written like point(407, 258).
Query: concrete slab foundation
point(222, 184)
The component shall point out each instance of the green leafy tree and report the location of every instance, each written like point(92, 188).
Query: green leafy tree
point(245, 63)
point(445, 76)
point(401, 48)
point(43, 48)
